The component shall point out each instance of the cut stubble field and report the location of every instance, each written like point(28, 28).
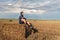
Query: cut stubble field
point(47, 30)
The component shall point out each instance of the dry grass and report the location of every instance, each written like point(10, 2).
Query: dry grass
point(47, 30)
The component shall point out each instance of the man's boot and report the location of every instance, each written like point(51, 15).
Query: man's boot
point(32, 27)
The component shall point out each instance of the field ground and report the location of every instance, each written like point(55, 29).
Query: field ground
point(47, 30)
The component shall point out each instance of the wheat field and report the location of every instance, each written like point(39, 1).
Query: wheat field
point(10, 29)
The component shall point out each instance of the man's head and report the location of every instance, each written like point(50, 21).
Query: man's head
point(21, 12)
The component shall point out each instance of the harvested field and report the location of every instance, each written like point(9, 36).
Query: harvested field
point(47, 30)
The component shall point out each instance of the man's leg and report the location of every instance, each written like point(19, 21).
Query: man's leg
point(23, 20)
point(32, 28)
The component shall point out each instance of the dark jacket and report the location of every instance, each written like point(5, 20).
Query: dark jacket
point(20, 17)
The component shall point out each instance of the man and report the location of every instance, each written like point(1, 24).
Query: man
point(22, 19)
point(28, 25)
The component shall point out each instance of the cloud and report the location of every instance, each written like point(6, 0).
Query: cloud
point(33, 11)
point(29, 6)
point(47, 8)
point(15, 8)
point(11, 6)
point(34, 5)
point(12, 10)
point(45, 3)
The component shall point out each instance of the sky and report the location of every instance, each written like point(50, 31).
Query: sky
point(42, 9)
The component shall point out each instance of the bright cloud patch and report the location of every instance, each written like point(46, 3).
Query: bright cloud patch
point(9, 4)
point(33, 11)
